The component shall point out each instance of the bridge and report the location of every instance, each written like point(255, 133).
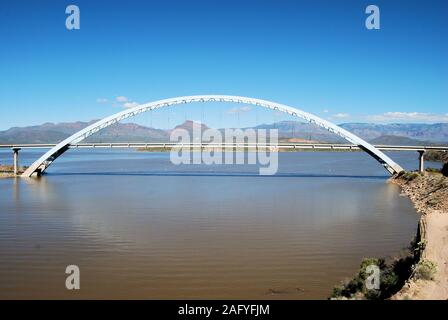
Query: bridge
point(226, 146)
point(41, 164)
point(168, 145)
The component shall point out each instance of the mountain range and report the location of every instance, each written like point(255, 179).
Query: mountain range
point(406, 134)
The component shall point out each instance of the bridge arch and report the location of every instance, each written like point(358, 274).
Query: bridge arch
point(41, 164)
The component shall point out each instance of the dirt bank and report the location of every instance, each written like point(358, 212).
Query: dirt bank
point(7, 171)
point(429, 193)
point(438, 156)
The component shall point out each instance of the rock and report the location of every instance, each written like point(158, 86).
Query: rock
point(445, 169)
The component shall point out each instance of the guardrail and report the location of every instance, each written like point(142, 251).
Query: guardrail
point(317, 146)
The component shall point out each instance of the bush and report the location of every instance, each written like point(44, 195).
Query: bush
point(409, 176)
point(445, 169)
point(419, 247)
point(433, 155)
point(393, 275)
point(356, 286)
point(425, 270)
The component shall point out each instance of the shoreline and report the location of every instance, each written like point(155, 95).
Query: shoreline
point(6, 175)
point(419, 271)
point(7, 171)
point(429, 194)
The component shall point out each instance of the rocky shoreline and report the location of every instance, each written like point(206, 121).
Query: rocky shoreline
point(7, 171)
point(429, 193)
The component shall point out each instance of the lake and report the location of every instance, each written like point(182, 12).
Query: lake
point(140, 227)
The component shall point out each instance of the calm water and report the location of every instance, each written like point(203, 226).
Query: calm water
point(139, 227)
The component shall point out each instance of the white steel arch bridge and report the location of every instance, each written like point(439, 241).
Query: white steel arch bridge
point(41, 164)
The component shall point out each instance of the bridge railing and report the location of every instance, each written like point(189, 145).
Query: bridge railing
point(329, 146)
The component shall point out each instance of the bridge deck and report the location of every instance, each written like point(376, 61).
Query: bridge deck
point(316, 146)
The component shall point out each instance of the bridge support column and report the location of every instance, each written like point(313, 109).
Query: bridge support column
point(421, 160)
point(16, 160)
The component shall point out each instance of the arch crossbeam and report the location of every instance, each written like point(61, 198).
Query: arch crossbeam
point(41, 164)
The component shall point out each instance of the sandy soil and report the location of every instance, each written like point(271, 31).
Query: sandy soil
point(7, 171)
point(429, 194)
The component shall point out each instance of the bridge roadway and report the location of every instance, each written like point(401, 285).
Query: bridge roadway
point(161, 145)
point(149, 145)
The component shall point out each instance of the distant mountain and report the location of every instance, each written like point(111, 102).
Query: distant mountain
point(190, 126)
point(396, 140)
point(53, 133)
point(302, 131)
point(45, 133)
point(401, 133)
point(437, 132)
point(129, 132)
point(404, 134)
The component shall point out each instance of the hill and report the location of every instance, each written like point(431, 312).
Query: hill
point(437, 132)
point(400, 134)
point(397, 140)
point(53, 133)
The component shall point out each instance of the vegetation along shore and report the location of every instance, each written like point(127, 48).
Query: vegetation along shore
point(421, 270)
point(429, 193)
point(438, 156)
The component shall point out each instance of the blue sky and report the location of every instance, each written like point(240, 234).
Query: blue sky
point(314, 55)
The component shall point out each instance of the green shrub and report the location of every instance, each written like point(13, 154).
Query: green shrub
point(409, 176)
point(393, 275)
point(425, 270)
point(433, 155)
point(445, 169)
point(419, 247)
point(401, 173)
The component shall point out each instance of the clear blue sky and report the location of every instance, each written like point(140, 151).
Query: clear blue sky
point(314, 55)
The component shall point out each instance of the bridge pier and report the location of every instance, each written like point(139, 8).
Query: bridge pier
point(16, 160)
point(421, 160)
